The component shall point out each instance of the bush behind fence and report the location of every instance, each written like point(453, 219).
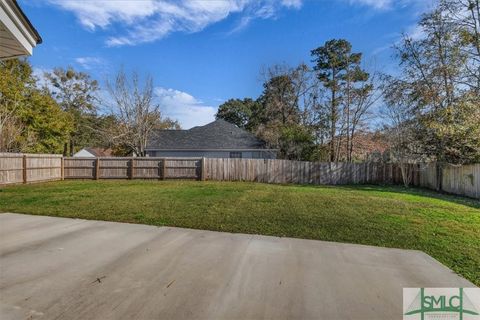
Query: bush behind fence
point(27, 168)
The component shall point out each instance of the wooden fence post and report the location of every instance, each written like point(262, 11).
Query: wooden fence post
point(24, 168)
point(97, 168)
point(62, 168)
point(132, 166)
point(202, 170)
point(164, 168)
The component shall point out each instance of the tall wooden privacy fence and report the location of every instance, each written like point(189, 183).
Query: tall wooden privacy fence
point(461, 180)
point(20, 168)
point(299, 172)
point(26, 168)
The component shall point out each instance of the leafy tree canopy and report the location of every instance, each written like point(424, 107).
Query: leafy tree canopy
point(41, 125)
point(239, 112)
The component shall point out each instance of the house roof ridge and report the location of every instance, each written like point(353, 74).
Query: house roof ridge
point(219, 134)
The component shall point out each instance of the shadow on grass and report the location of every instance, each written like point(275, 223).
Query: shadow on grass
point(416, 191)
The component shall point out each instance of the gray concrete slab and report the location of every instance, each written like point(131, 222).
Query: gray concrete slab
point(57, 268)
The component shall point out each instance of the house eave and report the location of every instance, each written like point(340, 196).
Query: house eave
point(19, 37)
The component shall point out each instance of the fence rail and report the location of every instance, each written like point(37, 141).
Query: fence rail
point(26, 168)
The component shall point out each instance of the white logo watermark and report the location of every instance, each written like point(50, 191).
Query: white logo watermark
point(441, 303)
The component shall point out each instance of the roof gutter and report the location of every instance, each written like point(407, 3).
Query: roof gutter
point(18, 32)
point(29, 24)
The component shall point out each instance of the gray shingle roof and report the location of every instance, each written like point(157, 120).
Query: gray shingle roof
point(100, 152)
point(216, 135)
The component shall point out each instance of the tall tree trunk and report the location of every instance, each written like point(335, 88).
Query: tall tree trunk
point(349, 159)
point(350, 147)
point(347, 149)
point(72, 147)
point(439, 176)
point(406, 173)
point(332, 128)
point(333, 118)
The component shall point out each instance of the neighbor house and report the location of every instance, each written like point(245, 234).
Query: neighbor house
point(93, 152)
point(18, 37)
point(219, 139)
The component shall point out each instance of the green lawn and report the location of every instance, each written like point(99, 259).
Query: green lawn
point(446, 227)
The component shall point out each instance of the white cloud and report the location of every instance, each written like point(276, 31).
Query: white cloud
point(94, 14)
point(151, 20)
point(297, 4)
point(185, 108)
point(141, 21)
point(382, 5)
point(42, 81)
point(415, 32)
point(381, 49)
point(89, 62)
point(242, 24)
point(376, 4)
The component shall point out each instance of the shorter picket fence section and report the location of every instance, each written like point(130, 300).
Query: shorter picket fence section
point(132, 168)
point(28, 168)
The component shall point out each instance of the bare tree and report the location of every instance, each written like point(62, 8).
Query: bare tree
point(436, 84)
point(400, 128)
point(10, 129)
point(136, 112)
point(465, 16)
point(13, 137)
point(359, 110)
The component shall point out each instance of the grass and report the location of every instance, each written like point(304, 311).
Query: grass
point(446, 227)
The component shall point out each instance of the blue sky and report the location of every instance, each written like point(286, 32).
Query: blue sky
point(203, 52)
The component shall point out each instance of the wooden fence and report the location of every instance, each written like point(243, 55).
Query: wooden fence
point(20, 168)
point(27, 168)
point(461, 180)
point(132, 168)
point(299, 172)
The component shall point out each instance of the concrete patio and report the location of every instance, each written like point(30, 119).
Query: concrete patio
point(58, 268)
